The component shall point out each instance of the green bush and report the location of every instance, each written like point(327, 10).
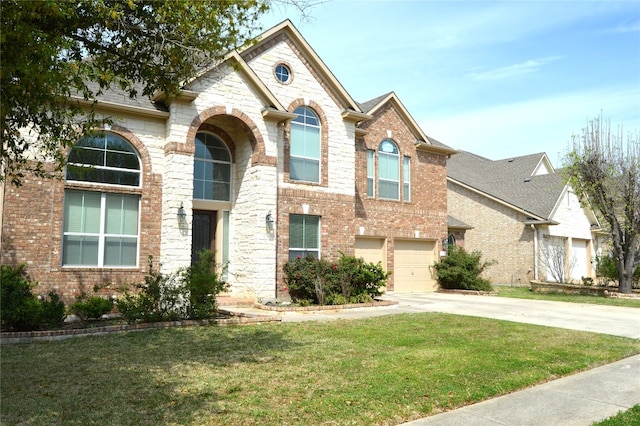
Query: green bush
point(160, 298)
point(190, 293)
point(93, 307)
point(203, 284)
point(349, 280)
point(607, 271)
point(21, 310)
point(461, 270)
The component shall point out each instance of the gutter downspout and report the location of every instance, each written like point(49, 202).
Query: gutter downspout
point(535, 252)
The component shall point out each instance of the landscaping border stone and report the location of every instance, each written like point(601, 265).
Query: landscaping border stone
point(320, 308)
point(232, 318)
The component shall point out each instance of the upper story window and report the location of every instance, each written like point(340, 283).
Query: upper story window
point(304, 158)
point(283, 73)
point(388, 170)
point(104, 158)
point(211, 169)
point(406, 178)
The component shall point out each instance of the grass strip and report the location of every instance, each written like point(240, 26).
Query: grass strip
point(526, 293)
point(380, 371)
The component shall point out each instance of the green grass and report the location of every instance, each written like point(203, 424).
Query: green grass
point(383, 371)
point(623, 418)
point(526, 293)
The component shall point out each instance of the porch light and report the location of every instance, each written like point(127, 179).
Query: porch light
point(269, 221)
point(182, 215)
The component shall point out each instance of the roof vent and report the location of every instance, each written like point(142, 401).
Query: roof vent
point(527, 179)
point(510, 160)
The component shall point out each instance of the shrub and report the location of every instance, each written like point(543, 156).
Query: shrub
point(461, 270)
point(190, 293)
point(160, 298)
point(92, 307)
point(607, 271)
point(203, 284)
point(53, 310)
point(349, 279)
point(20, 309)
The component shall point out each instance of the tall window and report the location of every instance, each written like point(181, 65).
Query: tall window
point(304, 236)
point(406, 178)
point(371, 173)
point(104, 158)
point(101, 229)
point(388, 170)
point(211, 169)
point(305, 146)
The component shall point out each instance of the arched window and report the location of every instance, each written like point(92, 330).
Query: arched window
point(304, 156)
point(388, 170)
point(101, 229)
point(211, 169)
point(104, 158)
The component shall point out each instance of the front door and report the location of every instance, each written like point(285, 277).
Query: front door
point(204, 232)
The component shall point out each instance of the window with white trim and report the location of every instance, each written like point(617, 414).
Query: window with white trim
point(304, 236)
point(388, 170)
point(304, 153)
point(406, 178)
point(101, 229)
point(211, 169)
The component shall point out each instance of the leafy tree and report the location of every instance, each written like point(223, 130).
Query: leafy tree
point(605, 170)
point(59, 56)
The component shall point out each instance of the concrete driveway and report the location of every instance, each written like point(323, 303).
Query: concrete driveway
point(617, 321)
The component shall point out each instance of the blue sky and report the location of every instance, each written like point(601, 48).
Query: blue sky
point(499, 79)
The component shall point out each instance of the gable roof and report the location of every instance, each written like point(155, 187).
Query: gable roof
point(422, 142)
point(511, 181)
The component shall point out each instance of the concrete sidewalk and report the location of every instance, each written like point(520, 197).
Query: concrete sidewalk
point(577, 400)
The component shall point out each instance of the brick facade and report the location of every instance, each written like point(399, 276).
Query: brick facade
point(236, 102)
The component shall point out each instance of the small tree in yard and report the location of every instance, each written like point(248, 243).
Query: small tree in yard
point(461, 270)
point(605, 170)
point(554, 258)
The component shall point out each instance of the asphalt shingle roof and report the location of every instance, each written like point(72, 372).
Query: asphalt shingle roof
point(509, 180)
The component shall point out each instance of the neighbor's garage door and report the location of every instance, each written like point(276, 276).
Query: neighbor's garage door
point(412, 271)
point(579, 255)
point(371, 250)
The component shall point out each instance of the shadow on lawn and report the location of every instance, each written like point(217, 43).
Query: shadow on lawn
point(173, 376)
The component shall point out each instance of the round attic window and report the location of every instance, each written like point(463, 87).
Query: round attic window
point(283, 73)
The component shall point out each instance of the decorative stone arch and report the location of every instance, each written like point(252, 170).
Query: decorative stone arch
point(258, 156)
point(324, 141)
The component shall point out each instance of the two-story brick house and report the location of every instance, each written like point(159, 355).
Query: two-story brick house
point(262, 158)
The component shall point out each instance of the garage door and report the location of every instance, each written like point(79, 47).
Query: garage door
point(371, 250)
point(413, 261)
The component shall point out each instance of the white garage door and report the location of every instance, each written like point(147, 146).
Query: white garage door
point(371, 250)
point(580, 259)
point(413, 266)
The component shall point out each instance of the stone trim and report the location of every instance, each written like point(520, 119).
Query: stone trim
point(314, 308)
point(235, 318)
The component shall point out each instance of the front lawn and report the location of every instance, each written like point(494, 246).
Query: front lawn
point(383, 370)
point(526, 293)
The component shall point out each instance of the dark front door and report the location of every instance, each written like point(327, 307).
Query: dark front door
point(203, 235)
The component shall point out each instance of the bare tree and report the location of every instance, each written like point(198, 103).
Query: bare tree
point(604, 168)
point(554, 259)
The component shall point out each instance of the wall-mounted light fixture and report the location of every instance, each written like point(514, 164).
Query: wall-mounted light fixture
point(182, 215)
point(269, 221)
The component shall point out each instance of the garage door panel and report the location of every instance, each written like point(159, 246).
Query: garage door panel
point(371, 250)
point(413, 261)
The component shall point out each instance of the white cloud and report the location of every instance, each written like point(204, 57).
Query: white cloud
point(514, 70)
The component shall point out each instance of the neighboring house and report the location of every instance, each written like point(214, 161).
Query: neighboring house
point(524, 216)
point(262, 158)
